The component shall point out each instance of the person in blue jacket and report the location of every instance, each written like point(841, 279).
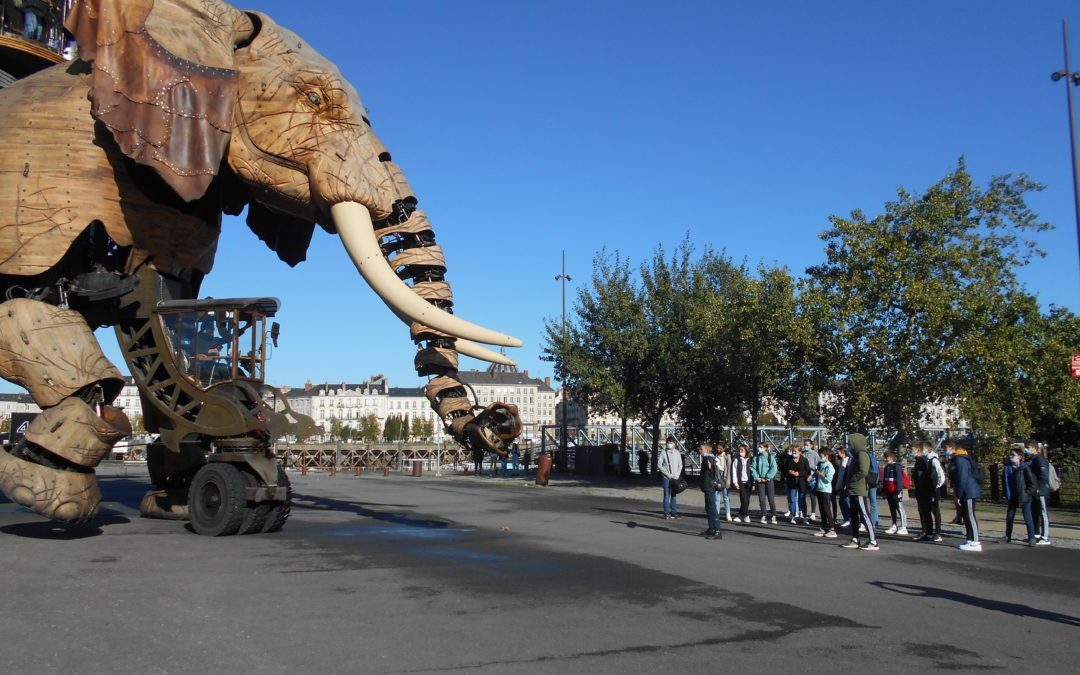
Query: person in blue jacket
point(966, 488)
point(1020, 489)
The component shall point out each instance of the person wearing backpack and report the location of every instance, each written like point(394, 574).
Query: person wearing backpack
point(763, 471)
point(1040, 469)
point(928, 477)
point(964, 473)
point(894, 493)
point(670, 465)
point(1020, 490)
point(711, 479)
point(858, 488)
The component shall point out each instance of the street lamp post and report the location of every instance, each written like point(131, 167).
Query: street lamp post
point(1074, 79)
point(564, 277)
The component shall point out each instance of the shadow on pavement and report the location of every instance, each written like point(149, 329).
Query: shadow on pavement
point(48, 529)
point(328, 504)
point(1012, 608)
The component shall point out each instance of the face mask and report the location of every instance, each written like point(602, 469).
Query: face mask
point(1015, 460)
point(670, 446)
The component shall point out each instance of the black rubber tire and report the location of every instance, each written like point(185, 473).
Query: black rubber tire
point(217, 500)
point(257, 514)
point(280, 512)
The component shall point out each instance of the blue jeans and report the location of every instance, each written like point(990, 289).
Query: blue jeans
point(712, 509)
point(670, 507)
point(1029, 521)
point(727, 503)
point(873, 505)
point(796, 501)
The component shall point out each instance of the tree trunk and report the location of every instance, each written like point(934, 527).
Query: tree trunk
point(655, 444)
point(622, 442)
point(755, 409)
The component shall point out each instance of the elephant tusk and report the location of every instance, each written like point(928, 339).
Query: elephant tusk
point(483, 353)
point(357, 233)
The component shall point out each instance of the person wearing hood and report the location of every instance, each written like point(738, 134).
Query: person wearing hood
point(670, 465)
point(858, 469)
point(928, 477)
point(963, 474)
point(763, 472)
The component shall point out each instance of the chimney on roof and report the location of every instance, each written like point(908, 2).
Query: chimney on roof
point(526, 373)
point(547, 381)
point(308, 386)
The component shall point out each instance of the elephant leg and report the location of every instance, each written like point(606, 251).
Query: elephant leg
point(53, 354)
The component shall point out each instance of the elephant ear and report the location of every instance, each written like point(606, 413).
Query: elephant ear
point(164, 81)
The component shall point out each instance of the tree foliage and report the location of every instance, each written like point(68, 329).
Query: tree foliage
point(921, 303)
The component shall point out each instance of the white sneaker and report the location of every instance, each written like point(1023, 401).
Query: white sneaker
point(862, 527)
point(1042, 541)
point(830, 534)
point(764, 520)
point(846, 523)
point(813, 516)
point(746, 519)
point(891, 530)
point(773, 520)
point(902, 530)
point(793, 521)
point(970, 546)
point(729, 517)
point(787, 514)
point(819, 533)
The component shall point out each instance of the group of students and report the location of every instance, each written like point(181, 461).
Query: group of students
point(830, 484)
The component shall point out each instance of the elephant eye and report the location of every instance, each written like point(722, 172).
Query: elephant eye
point(314, 98)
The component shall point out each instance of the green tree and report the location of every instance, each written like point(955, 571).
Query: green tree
point(663, 372)
point(1052, 394)
point(403, 428)
point(921, 303)
point(392, 428)
point(5, 425)
point(597, 354)
point(369, 428)
point(335, 428)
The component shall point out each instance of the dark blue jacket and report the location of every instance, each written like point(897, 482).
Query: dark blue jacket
point(961, 474)
point(896, 473)
point(1020, 485)
point(1040, 468)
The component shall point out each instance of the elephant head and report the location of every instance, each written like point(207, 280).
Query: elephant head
point(202, 92)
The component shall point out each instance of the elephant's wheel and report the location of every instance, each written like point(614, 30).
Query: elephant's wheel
point(218, 500)
point(280, 511)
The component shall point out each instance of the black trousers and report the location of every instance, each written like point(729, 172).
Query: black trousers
point(929, 513)
point(744, 500)
point(824, 500)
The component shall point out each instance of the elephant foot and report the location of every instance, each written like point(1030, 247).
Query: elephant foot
point(65, 496)
point(167, 504)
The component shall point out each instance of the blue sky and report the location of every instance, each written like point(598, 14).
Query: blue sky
point(526, 128)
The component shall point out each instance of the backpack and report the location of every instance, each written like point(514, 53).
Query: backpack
point(977, 471)
point(716, 473)
point(1053, 480)
point(872, 477)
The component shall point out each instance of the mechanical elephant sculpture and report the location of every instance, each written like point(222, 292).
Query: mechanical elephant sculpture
point(115, 173)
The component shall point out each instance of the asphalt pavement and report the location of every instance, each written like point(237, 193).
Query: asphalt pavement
point(402, 574)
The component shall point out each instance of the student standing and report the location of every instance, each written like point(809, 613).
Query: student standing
point(965, 480)
point(841, 504)
point(763, 472)
point(858, 470)
point(724, 461)
point(797, 474)
point(893, 483)
point(1040, 469)
point(928, 477)
point(825, 474)
point(670, 465)
point(710, 486)
point(813, 457)
point(740, 478)
point(1020, 491)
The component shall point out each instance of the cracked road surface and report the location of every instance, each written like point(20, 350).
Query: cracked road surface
point(407, 575)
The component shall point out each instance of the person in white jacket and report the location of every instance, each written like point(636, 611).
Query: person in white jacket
point(670, 465)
